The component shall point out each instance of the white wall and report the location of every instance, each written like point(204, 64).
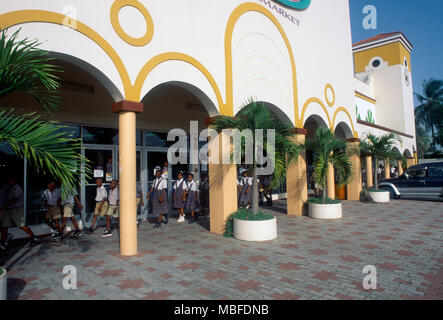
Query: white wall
point(261, 67)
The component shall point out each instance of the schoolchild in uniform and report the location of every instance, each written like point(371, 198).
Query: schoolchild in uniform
point(204, 194)
point(52, 199)
point(245, 188)
point(112, 212)
point(139, 202)
point(14, 215)
point(101, 203)
point(68, 211)
point(191, 197)
point(179, 197)
point(158, 193)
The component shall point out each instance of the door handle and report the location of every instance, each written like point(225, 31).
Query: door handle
point(422, 181)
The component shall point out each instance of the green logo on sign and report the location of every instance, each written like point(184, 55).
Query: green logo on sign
point(296, 4)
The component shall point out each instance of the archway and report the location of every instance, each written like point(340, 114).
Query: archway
point(86, 96)
point(311, 125)
point(181, 107)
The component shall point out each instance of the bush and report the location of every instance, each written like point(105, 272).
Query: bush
point(320, 201)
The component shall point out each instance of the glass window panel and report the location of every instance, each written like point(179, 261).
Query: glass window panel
point(95, 135)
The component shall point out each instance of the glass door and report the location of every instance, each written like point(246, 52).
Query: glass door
point(103, 162)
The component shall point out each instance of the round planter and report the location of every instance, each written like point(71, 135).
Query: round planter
point(255, 230)
point(3, 284)
point(379, 197)
point(325, 211)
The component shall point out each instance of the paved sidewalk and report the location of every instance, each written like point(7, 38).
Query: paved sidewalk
point(311, 259)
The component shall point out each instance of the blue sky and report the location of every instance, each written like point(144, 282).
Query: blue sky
point(420, 21)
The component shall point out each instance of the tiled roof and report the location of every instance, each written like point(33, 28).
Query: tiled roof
point(381, 36)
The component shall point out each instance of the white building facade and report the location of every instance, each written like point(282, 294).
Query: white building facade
point(133, 70)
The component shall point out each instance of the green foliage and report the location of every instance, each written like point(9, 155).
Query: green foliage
point(423, 141)
point(321, 201)
point(329, 150)
point(372, 189)
point(25, 67)
point(256, 116)
point(48, 148)
point(380, 148)
point(370, 117)
point(357, 112)
point(429, 113)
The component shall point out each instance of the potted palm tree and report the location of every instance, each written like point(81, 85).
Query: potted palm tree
point(381, 149)
point(255, 225)
point(328, 150)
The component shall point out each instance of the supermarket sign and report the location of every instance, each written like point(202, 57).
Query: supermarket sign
point(295, 4)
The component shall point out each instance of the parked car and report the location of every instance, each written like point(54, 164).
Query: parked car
point(418, 181)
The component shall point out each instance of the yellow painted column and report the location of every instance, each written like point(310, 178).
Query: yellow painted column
point(410, 162)
point(369, 172)
point(387, 169)
point(400, 168)
point(415, 158)
point(222, 184)
point(355, 185)
point(331, 182)
point(297, 181)
point(127, 175)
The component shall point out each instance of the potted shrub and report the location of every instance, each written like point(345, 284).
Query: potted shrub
point(380, 148)
point(3, 284)
point(255, 225)
point(328, 150)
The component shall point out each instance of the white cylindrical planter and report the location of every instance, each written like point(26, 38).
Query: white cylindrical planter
point(380, 197)
point(255, 230)
point(325, 211)
point(3, 284)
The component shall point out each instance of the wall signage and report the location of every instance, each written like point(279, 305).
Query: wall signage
point(270, 4)
point(295, 4)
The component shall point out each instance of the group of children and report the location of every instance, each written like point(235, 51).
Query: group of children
point(184, 197)
point(246, 190)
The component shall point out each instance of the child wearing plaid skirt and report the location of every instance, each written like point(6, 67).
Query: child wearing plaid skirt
point(159, 196)
point(179, 199)
point(192, 197)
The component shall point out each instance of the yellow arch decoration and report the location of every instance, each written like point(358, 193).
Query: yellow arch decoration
point(228, 108)
point(168, 56)
point(26, 16)
point(138, 42)
point(300, 122)
point(342, 109)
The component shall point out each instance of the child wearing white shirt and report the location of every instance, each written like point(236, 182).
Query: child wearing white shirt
point(179, 197)
point(101, 203)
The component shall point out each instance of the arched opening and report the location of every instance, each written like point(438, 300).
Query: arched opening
point(342, 131)
point(184, 108)
point(86, 96)
point(311, 125)
point(408, 154)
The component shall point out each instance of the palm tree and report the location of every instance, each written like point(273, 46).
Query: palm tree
point(423, 141)
point(380, 148)
point(430, 103)
point(47, 145)
point(329, 150)
point(256, 116)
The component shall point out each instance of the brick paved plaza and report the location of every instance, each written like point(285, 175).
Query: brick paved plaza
point(311, 259)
